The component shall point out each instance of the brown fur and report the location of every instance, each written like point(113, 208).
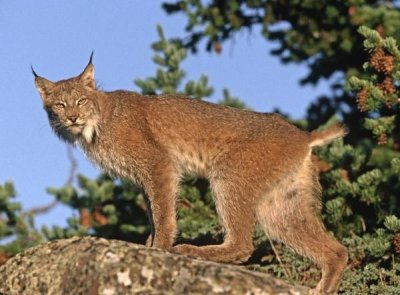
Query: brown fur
point(259, 165)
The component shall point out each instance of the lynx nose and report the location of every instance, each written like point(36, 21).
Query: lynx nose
point(72, 118)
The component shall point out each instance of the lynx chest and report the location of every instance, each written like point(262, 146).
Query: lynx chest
point(116, 161)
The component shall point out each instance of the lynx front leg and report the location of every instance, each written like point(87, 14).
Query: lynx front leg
point(237, 219)
point(150, 238)
point(161, 192)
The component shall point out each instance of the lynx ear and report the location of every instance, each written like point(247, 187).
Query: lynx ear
point(87, 76)
point(43, 85)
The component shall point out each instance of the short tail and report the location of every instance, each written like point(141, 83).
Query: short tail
point(320, 138)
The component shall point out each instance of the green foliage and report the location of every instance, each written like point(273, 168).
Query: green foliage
point(197, 215)
point(392, 223)
point(322, 35)
point(169, 55)
point(231, 101)
point(378, 91)
point(371, 279)
point(375, 268)
point(106, 207)
point(16, 227)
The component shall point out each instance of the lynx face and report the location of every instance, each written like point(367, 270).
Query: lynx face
point(72, 113)
point(71, 106)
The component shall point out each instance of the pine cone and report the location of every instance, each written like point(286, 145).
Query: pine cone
point(381, 30)
point(4, 256)
point(217, 47)
point(388, 64)
point(381, 62)
point(396, 243)
point(387, 86)
point(362, 98)
point(376, 57)
point(99, 217)
point(344, 175)
point(352, 10)
point(84, 218)
point(382, 139)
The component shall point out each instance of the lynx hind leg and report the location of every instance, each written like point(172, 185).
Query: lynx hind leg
point(237, 220)
point(289, 213)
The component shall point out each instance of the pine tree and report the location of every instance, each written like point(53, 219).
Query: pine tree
point(319, 34)
point(378, 92)
point(17, 228)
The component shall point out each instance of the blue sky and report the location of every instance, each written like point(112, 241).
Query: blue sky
point(56, 37)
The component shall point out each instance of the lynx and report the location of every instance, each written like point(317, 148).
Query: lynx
point(258, 165)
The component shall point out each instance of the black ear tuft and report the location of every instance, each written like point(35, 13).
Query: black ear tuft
point(87, 76)
point(34, 73)
point(91, 58)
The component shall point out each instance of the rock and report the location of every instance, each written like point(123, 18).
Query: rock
point(92, 266)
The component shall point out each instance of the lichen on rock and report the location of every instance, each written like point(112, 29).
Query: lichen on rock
point(92, 266)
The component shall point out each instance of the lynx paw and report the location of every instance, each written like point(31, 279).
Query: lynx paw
point(184, 249)
point(318, 291)
point(149, 241)
point(217, 253)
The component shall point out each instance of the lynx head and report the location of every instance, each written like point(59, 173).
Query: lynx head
point(71, 105)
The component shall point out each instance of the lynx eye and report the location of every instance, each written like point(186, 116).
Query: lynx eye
point(82, 101)
point(60, 105)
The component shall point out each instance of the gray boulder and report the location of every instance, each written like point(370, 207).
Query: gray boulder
point(92, 266)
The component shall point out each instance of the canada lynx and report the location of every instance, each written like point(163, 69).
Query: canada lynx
point(259, 166)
